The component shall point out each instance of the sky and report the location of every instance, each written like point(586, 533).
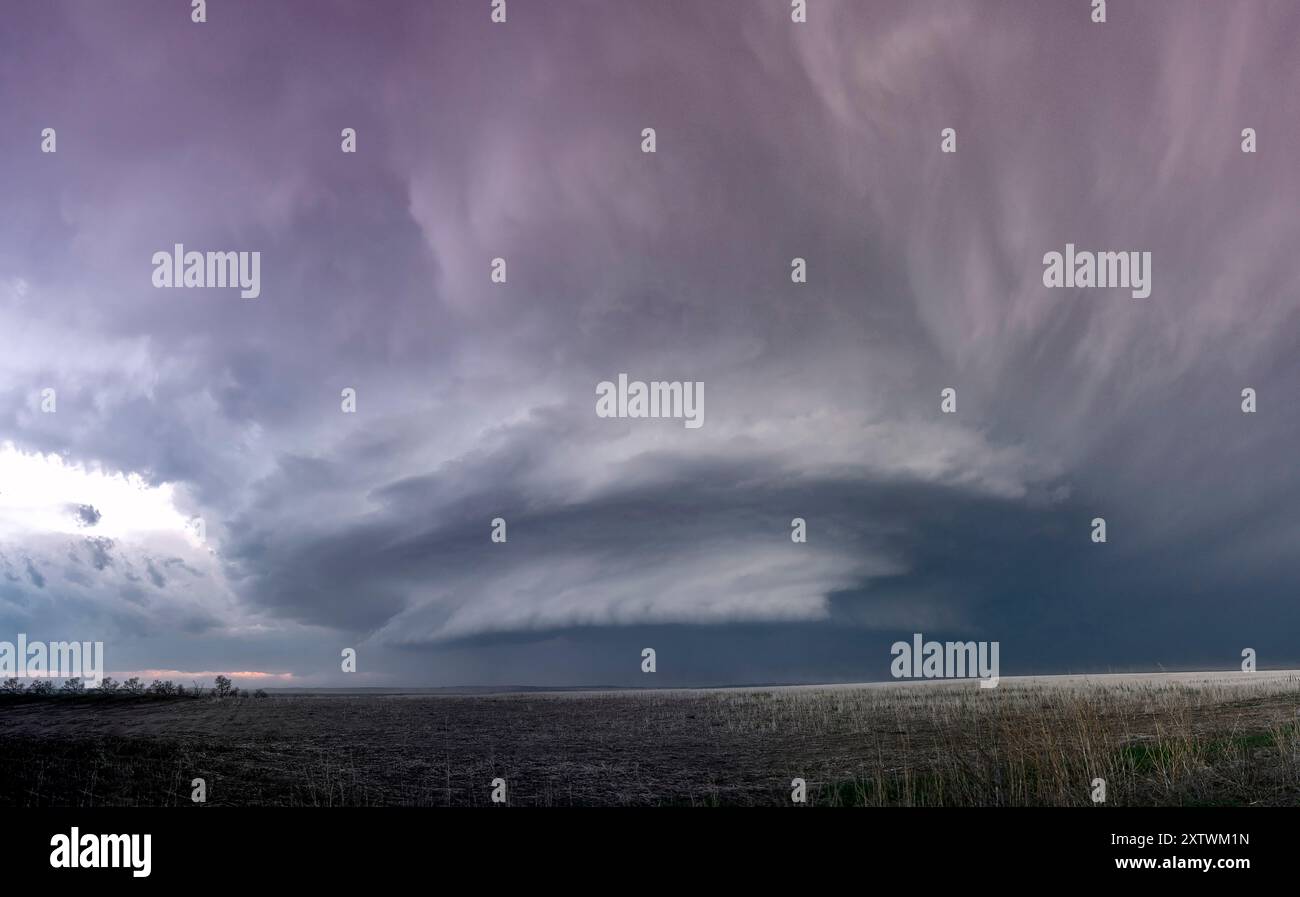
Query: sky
point(774, 140)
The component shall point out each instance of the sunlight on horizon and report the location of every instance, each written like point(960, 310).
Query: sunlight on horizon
point(41, 493)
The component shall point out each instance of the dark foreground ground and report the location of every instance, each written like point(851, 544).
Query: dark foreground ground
point(1181, 740)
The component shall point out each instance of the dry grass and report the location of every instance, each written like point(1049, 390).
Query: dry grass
point(1216, 739)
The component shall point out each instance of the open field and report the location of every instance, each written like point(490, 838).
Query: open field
point(1170, 739)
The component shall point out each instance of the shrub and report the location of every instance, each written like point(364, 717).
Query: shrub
point(108, 685)
point(260, 693)
point(41, 687)
point(133, 686)
point(12, 686)
point(73, 686)
point(222, 688)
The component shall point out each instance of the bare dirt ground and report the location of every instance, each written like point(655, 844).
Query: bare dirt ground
point(1175, 739)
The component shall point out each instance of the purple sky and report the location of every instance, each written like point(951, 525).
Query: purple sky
point(476, 400)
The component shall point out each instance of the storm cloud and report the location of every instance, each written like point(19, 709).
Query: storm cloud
point(475, 399)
